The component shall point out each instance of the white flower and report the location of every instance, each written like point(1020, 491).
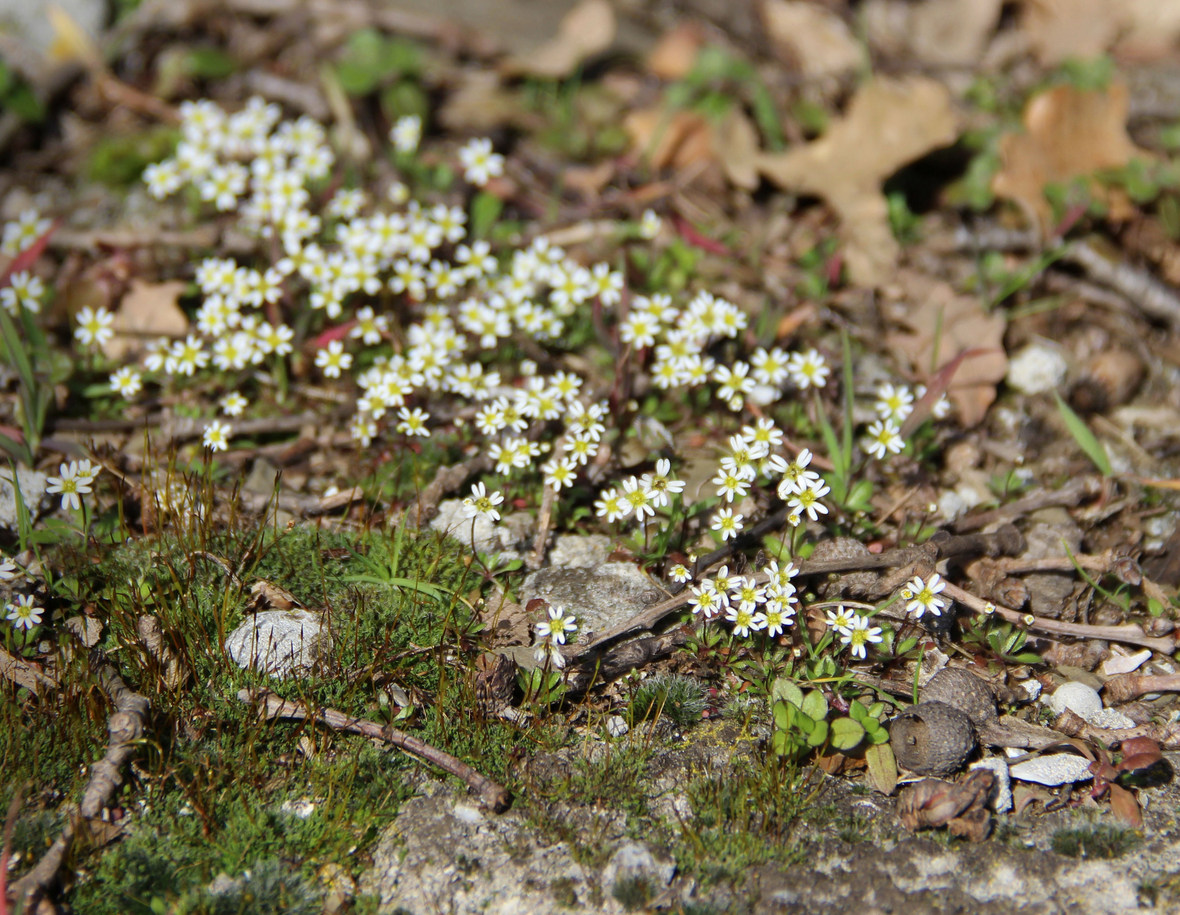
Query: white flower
point(126, 382)
point(841, 620)
point(807, 502)
point(216, 437)
point(24, 612)
point(406, 133)
point(883, 438)
point(894, 402)
point(649, 224)
point(73, 482)
point(727, 523)
point(808, 370)
point(481, 503)
point(922, 596)
point(94, 326)
point(859, 635)
point(480, 164)
point(555, 628)
point(233, 403)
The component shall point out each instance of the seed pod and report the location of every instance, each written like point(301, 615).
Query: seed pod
point(932, 738)
point(965, 691)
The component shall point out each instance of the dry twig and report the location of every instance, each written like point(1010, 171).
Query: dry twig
point(125, 728)
point(491, 794)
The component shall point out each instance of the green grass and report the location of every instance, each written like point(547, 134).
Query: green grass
point(209, 782)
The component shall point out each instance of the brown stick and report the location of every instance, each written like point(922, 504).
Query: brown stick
point(1125, 687)
point(1130, 634)
point(22, 673)
point(124, 728)
point(491, 794)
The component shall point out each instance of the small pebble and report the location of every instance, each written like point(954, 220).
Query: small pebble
point(1056, 769)
point(1036, 369)
point(1080, 699)
point(1111, 718)
point(616, 726)
point(1001, 801)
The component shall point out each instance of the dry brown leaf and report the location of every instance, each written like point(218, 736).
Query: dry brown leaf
point(1069, 133)
point(1125, 806)
point(480, 103)
point(148, 310)
point(1060, 29)
point(814, 40)
point(942, 324)
point(889, 123)
point(669, 139)
point(951, 33)
point(675, 54)
point(586, 30)
point(735, 143)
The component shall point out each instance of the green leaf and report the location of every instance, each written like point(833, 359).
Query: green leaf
point(814, 705)
point(1084, 437)
point(485, 210)
point(846, 734)
point(786, 690)
point(818, 735)
point(882, 767)
point(857, 711)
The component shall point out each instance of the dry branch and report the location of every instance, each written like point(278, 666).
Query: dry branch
point(124, 729)
point(491, 794)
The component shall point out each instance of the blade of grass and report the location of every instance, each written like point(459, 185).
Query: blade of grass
point(1086, 439)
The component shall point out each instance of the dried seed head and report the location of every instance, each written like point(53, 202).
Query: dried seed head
point(932, 738)
point(965, 691)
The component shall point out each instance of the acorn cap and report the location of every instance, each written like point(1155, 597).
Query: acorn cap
point(932, 738)
point(965, 691)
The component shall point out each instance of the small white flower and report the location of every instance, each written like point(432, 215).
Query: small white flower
point(481, 503)
point(24, 612)
point(922, 596)
point(94, 326)
point(406, 133)
point(216, 437)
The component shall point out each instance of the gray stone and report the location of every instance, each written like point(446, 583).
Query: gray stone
point(32, 484)
point(579, 551)
point(443, 856)
point(635, 869)
point(279, 642)
point(1079, 698)
point(503, 538)
point(600, 598)
point(1054, 769)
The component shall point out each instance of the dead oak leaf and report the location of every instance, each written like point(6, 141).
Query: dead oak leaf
point(1068, 133)
point(148, 310)
point(814, 40)
point(586, 30)
point(889, 123)
point(1059, 29)
point(942, 326)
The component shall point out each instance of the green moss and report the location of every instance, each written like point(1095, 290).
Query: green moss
point(1099, 840)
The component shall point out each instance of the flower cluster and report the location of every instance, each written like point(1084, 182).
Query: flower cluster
point(752, 603)
point(854, 631)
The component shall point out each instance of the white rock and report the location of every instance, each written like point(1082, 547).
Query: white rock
point(1031, 688)
point(1079, 698)
point(1002, 795)
point(616, 726)
point(279, 642)
point(1110, 718)
point(1037, 368)
point(1124, 663)
point(1057, 769)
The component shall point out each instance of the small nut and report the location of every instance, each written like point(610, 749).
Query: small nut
point(932, 738)
point(965, 691)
